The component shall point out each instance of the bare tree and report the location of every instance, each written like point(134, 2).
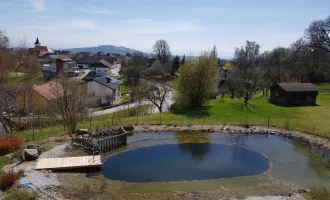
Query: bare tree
point(8, 62)
point(30, 69)
point(157, 91)
point(246, 59)
point(318, 34)
point(279, 57)
point(4, 41)
point(70, 103)
point(161, 50)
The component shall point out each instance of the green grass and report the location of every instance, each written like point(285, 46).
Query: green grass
point(98, 121)
point(310, 119)
point(124, 89)
point(3, 161)
point(14, 80)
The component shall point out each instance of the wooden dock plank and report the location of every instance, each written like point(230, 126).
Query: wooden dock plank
point(69, 162)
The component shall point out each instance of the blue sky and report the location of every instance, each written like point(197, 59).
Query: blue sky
point(189, 26)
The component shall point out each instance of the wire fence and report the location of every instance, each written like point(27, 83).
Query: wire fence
point(290, 124)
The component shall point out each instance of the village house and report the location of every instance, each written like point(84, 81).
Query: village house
point(105, 90)
point(86, 62)
point(100, 68)
point(46, 93)
point(60, 67)
point(293, 94)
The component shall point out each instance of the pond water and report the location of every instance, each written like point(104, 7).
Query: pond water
point(169, 156)
point(180, 162)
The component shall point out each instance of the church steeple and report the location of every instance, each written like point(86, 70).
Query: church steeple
point(37, 43)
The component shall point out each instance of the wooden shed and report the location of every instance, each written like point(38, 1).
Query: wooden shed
point(293, 94)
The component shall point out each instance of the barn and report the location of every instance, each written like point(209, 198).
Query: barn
point(293, 94)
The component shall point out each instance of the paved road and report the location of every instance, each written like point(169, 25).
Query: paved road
point(152, 110)
point(115, 71)
point(119, 108)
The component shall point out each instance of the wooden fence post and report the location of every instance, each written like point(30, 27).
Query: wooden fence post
point(268, 122)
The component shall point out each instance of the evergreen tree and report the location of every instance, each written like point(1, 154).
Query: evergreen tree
point(176, 64)
point(214, 53)
point(183, 59)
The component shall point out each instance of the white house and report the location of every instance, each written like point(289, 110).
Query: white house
point(106, 89)
point(60, 67)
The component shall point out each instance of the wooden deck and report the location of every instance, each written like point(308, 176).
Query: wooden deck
point(69, 162)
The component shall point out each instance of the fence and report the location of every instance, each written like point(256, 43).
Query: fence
point(100, 145)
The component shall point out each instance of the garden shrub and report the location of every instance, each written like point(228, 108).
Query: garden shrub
point(9, 144)
point(8, 179)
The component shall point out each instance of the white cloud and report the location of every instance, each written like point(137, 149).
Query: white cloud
point(94, 10)
point(85, 24)
point(41, 27)
point(37, 5)
point(149, 26)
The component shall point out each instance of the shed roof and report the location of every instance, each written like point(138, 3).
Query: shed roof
point(49, 91)
point(298, 87)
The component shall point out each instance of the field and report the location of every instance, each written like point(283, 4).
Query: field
point(310, 119)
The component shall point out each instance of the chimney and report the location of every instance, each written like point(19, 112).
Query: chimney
point(108, 80)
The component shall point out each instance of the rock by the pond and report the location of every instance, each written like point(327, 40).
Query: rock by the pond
point(30, 154)
point(82, 131)
point(34, 146)
point(128, 127)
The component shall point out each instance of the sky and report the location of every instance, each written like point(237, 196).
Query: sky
point(189, 26)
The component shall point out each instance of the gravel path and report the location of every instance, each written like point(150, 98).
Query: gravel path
point(44, 181)
point(57, 151)
point(293, 197)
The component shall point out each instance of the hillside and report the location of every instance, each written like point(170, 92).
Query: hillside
point(105, 49)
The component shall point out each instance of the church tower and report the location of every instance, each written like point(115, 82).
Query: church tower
point(37, 43)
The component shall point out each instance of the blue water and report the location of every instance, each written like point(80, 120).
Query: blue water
point(179, 162)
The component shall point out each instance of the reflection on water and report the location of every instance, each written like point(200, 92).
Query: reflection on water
point(173, 162)
point(291, 160)
point(196, 150)
point(318, 160)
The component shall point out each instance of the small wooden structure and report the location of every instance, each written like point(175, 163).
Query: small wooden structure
point(69, 162)
point(293, 94)
point(100, 145)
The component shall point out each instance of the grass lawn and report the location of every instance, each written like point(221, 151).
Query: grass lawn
point(124, 89)
point(98, 121)
point(310, 119)
point(19, 79)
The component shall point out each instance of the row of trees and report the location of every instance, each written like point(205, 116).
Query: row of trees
point(306, 60)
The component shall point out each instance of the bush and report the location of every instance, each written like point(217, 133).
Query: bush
point(9, 144)
point(7, 180)
point(321, 193)
point(20, 194)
